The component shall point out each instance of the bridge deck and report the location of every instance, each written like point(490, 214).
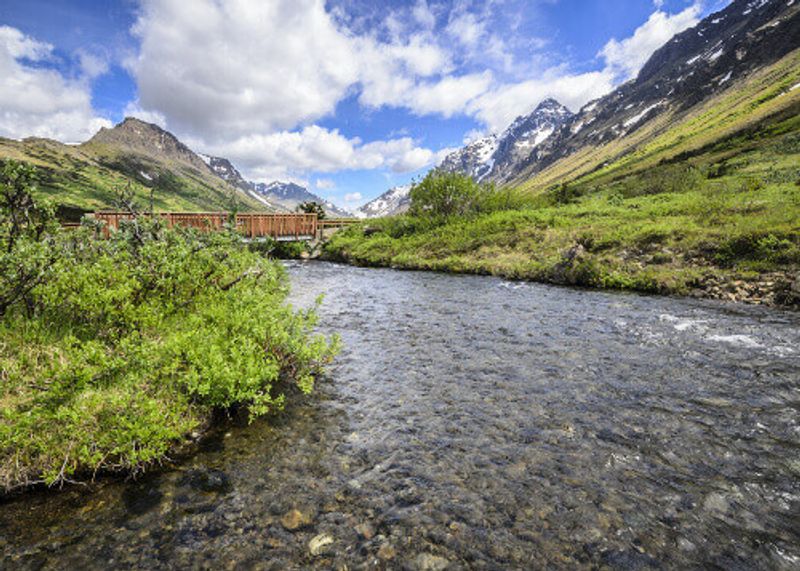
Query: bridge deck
point(283, 227)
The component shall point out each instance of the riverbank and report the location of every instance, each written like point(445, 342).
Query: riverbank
point(116, 351)
point(722, 225)
point(577, 267)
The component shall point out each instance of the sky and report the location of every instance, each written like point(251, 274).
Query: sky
point(347, 97)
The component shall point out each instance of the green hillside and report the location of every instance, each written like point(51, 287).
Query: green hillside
point(90, 176)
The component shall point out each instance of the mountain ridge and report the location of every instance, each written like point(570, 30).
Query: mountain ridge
point(142, 157)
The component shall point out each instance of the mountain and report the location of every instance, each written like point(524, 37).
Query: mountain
point(288, 195)
point(391, 202)
point(525, 135)
point(225, 170)
point(136, 137)
point(475, 160)
point(693, 67)
point(277, 195)
point(145, 158)
point(494, 158)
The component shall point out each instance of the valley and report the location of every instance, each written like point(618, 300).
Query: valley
point(566, 337)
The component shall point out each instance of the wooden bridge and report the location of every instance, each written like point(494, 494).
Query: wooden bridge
point(281, 227)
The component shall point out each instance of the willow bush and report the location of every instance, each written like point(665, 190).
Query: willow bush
point(113, 350)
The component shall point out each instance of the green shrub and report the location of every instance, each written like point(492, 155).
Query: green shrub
point(126, 344)
point(766, 248)
point(444, 194)
point(664, 179)
point(564, 194)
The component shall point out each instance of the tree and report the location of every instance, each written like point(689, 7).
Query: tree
point(445, 194)
point(26, 253)
point(312, 207)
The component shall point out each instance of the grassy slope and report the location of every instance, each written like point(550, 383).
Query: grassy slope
point(89, 177)
point(710, 204)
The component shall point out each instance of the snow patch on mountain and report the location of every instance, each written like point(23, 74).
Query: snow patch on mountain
point(394, 201)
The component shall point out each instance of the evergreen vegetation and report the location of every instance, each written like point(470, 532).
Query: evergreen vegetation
point(113, 349)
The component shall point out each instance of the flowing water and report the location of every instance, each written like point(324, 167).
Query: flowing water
point(471, 422)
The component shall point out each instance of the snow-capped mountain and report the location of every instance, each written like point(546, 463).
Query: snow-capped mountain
point(693, 66)
point(493, 158)
point(393, 201)
point(689, 69)
point(225, 170)
point(278, 195)
point(525, 134)
point(475, 160)
point(289, 195)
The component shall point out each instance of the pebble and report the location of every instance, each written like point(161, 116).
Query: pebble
point(365, 530)
point(295, 519)
point(428, 562)
point(320, 544)
point(386, 552)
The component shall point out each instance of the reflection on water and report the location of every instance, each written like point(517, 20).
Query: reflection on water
point(475, 423)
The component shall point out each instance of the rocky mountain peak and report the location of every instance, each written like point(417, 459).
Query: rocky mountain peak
point(493, 157)
point(135, 135)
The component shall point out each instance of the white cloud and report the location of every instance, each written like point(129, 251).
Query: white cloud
point(92, 64)
point(268, 70)
point(351, 197)
point(498, 108)
point(271, 66)
point(39, 101)
point(424, 15)
point(248, 79)
point(625, 58)
point(241, 66)
point(324, 184)
point(314, 148)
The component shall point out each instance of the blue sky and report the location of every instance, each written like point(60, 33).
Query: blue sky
point(348, 97)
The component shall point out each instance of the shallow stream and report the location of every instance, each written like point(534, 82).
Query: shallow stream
point(472, 422)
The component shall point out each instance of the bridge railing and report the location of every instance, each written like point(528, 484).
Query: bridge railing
point(336, 222)
point(252, 225)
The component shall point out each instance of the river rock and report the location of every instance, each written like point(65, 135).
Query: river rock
point(365, 530)
point(386, 552)
point(207, 480)
point(295, 519)
point(428, 562)
point(320, 544)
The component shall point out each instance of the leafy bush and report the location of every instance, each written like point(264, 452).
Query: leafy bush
point(564, 194)
point(760, 247)
point(25, 252)
point(677, 178)
point(124, 345)
point(444, 194)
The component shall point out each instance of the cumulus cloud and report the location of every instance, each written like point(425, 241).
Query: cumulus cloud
point(268, 70)
point(269, 66)
point(351, 197)
point(38, 100)
point(324, 184)
point(241, 66)
point(249, 79)
point(314, 148)
point(625, 58)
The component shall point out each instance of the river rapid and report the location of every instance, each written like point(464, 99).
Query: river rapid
point(472, 422)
